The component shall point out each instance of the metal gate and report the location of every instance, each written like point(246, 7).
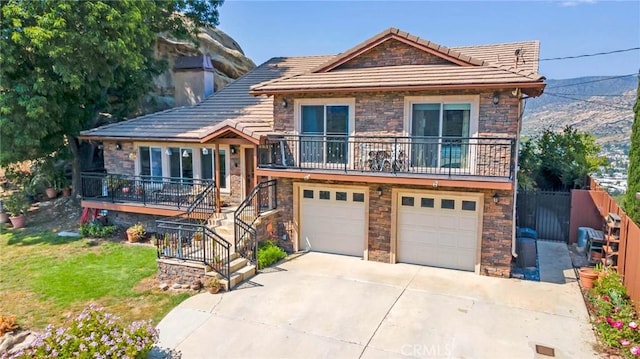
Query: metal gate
point(547, 212)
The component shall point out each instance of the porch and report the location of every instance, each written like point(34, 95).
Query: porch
point(107, 191)
point(452, 158)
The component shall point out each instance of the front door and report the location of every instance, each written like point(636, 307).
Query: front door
point(249, 170)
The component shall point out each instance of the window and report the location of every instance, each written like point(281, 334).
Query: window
point(325, 195)
point(468, 205)
point(426, 202)
point(181, 163)
point(358, 197)
point(341, 196)
point(447, 204)
point(324, 129)
point(151, 162)
point(407, 201)
point(207, 165)
point(440, 128)
point(307, 193)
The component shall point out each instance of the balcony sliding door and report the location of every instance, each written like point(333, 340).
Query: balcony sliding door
point(324, 130)
point(439, 135)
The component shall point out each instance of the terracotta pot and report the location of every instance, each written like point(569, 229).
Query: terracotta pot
point(587, 276)
point(4, 217)
point(18, 221)
point(596, 255)
point(51, 193)
point(66, 192)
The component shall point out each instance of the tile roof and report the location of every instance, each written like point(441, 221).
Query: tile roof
point(233, 106)
point(390, 77)
point(508, 63)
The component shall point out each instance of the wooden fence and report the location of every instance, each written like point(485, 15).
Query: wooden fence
point(629, 248)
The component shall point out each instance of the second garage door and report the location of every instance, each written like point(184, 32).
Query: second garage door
point(332, 220)
point(439, 229)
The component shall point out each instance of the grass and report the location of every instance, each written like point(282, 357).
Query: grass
point(45, 278)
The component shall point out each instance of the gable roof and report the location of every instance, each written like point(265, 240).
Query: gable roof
point(404, 37)
point(490, 66)
point(233, 108)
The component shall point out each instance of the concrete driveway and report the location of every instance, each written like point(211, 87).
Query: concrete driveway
point(329, 306)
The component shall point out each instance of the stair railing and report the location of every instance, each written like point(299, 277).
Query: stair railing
point(261, 199)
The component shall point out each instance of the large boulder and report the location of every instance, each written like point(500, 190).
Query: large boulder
point(226, 55)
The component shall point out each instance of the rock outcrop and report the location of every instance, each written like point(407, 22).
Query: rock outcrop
point(226, 55)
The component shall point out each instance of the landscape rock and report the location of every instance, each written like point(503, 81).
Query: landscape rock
point(68, 234)
point(185, 286)
point(176, 286)
point(13, 342)
point(164, 286)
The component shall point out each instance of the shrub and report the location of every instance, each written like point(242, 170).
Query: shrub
point(96, 230)
point(269, 253)
point(93, 334)
point(616, 320)
point(7, 324)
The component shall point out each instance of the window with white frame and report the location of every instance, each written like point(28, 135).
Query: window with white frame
point(151, 162)
point(440, 129)
point(208, 166)
point(181, 163)
point(324, 126)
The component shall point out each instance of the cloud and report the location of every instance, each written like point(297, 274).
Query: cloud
point(576, 2)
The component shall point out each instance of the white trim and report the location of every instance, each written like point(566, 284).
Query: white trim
point(474, 118)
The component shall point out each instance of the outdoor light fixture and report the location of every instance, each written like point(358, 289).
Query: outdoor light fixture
point(284, 103)
point(379, 190)
point(496, 198)
point(167, 152)
point(133, 155)
point(118, 146)
point(205, 151)
point(185, 153)
point(496, 98)
point(233, 149)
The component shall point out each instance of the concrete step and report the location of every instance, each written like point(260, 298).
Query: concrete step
point(247, 272)
point(236, 278)
point(224, 230)
point(237, 264)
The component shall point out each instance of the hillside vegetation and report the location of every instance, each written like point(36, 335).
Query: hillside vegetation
point(600, 106)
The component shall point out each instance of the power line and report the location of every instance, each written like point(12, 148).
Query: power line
point(590, 55)
point(591, 81)
point(587, 101)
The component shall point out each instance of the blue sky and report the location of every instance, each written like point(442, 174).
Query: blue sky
point(266, 29)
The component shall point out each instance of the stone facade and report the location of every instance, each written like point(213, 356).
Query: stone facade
point(271, 227)
point(118, 161)
point(382, 113)
point(393, 53)
point(177, 272)
point(495, 256)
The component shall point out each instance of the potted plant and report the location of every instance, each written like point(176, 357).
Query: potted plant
point(587, 276)
point(213, 285)
point(135, 233)
point(17, 206)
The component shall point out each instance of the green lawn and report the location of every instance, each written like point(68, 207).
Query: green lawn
point(44, 278)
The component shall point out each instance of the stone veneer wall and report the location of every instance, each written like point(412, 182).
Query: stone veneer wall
point(393, 53)
point(176, 272)
point(495, 258)
point(118, 161)
point(271, 227)
point(382, 113)
point(236, 179)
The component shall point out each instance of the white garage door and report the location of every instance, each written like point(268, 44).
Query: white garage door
point(332, 220)
point(439, 230)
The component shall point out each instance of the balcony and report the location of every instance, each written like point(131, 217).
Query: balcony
point(486, 159)
point(167, 193)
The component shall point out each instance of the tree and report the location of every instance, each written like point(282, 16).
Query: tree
point(71, 66)
point(558, 160)
point(631, 203)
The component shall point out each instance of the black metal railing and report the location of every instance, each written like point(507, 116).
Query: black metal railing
point(166, 191)
point(261, 199)
point(451, 156)
point(187, 236)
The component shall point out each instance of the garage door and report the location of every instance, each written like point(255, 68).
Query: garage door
point(439, 230)
point(332, 220)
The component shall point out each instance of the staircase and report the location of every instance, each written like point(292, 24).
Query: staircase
point(240, 268)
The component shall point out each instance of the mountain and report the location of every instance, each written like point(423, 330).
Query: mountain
point(602, 106)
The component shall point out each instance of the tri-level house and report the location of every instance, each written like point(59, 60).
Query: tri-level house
point(396, 150)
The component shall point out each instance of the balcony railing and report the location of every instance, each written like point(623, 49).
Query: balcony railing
point(162, 191)
point(450, 156)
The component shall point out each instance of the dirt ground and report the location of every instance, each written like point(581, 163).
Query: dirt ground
point(59, 214)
